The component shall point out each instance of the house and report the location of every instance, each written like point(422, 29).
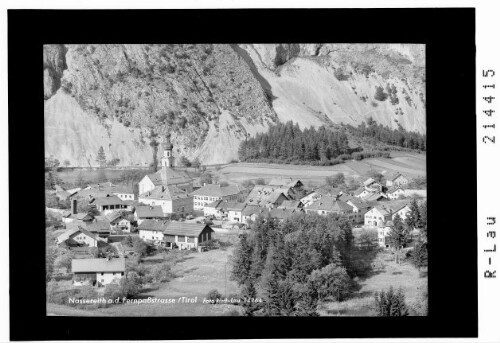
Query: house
point(148, 212)
point(291, 204)
point(362, 193)
point(173, 234)
point(104, 189)
point(375, 197)
point(380, 215)
point(395, 192)
point(77, 236)
point(172, 199)
point(210, 193)
point(330, 204)
point(69, 216)
point(250, 213)
point(308, 198)
point(108, 204)
point(187, 235)
point(119, 221)
point(292, 188)
point(234, 211)
point(360, 208)
point(167, 175)
point(372, 186)
point(213, 209)
point(383, 233)
point(396, 179)
point(377, 217)
point(99, 228)
point(266, 196)
point(151, 230)
point(97, 271)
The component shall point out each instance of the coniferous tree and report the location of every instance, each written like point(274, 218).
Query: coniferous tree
point(419, 255)
point(242, 261)
point(413, 216)
point(249, 294)
point(398, 236)
point(101, 157)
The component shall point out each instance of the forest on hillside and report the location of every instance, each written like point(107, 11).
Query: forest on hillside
point(372, 132)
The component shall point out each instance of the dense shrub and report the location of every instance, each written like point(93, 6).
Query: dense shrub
point(214, 295)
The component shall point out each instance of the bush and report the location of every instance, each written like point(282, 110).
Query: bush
point(380, 95)
point(214, 295)
point(260, 181)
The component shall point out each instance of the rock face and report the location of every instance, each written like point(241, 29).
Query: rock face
point(209, 97)
point(54, 64)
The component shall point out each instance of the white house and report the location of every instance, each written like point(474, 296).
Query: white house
point(396, 180)
point(235, 211)
point(376, 217)
point(210, 193)
point(119, 221)
point(148, 212)
point(77, 236)
point(97, 271)
point(172, 199)
point(359, 209)
point(383, 233)
point(108, 204)
point(173, 234)
point(395, 192)
point(214, 209)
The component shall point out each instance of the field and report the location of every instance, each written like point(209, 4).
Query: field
point(410, 164)
point(385, 273)
point(197, 274)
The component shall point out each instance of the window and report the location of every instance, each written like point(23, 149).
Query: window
point(114, 273)
point(123, 273)
point(102, 273)
point(181, 238)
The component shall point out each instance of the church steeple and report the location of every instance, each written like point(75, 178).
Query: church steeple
point(167, 161)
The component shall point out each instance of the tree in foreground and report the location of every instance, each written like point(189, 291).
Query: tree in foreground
point(419, 255)
point(398, 236)
point(390, 304)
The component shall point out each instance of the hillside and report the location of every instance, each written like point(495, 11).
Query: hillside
point(209, 97)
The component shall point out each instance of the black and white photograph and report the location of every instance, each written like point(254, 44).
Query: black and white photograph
point(215, 173)
point(235, 179)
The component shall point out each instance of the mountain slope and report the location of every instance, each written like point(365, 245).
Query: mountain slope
point(209, 97)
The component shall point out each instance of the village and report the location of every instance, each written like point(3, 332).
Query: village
point(174, 212)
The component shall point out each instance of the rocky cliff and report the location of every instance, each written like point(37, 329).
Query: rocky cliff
point(209, 97)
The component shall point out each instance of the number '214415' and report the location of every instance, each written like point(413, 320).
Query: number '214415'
point(489, 99)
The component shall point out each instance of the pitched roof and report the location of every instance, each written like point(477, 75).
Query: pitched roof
point(96, 226)
point(114, 216)
point(287, 182)
point(108, 200)
point(250, 210)
point(97, 265)
point(149, 211)
point(216, 190)
point(235, 206)
point(374, 197)
point(368, 182)
point(327, 190)
point(290, 204)
point(393, 189)
point(394, 176)
point(171, 192)
point(264, 195)
point(174, 177)
point(332, 204)
point(153, 225)
point(71, 231)
point(283, 213)
point(359, 191)
point(185, 229)
point(360, 204)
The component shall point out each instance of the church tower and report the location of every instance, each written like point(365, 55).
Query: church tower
point(167, 161)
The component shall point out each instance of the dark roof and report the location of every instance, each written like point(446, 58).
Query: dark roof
point(97, 265)
point(185, 229)
point(264, 195)
point(72, 231)
point(327, 203)
point(250, 209)
point(149, 211)
point(235, 206)
point(374, 196)
point(153, 225)
point(290, 204)
point(216, 190)
point(171, 192)
point(108, 200)
point(96, 226)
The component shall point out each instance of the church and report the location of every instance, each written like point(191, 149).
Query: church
point(168, 187)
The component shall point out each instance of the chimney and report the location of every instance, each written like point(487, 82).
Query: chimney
point(73, 206)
